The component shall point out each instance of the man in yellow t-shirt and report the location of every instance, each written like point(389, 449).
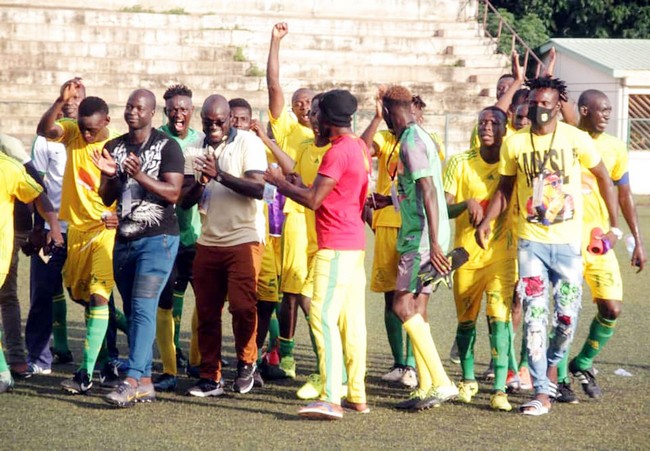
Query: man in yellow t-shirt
point(15, 183)
point(88, 270)
point(601, 271)
point(471, 178)
point(386, 222)
point(542, 164)
point(289, 133)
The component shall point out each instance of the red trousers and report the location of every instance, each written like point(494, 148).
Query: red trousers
point(231, 272)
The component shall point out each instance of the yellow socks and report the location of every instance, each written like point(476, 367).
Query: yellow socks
point(422, 341)
point(165, 340)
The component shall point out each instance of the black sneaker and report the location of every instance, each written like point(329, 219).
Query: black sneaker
point(79, 384)
point(566, 394)
point(181, 360)
point(61, 358)
point(587, 380)
point(244, 381)
point(109, 376)
point(165, 382)
point(205, 388)
point(429, 276)
point(193, 372)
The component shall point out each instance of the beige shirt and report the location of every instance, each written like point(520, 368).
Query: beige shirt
point(228, 218)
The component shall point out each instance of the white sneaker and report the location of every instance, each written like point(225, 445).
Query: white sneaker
point(409, 377)
point(446, 392)
point(33, 368)
point(394, 375)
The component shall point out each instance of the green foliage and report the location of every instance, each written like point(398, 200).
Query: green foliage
point(176, 11)
point(239, 55)
point(530, 28)
point(254, 71)
point(586, 18)
point(136, 9)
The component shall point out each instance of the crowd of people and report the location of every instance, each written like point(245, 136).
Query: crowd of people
point(272, 220)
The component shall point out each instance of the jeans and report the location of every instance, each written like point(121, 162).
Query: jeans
point(10, 307)
point(141, 269)
point(544, 269)
point(46, 282)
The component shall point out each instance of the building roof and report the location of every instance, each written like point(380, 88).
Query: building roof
point(616, 57)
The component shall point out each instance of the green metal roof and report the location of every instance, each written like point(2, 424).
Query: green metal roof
point(611, 56)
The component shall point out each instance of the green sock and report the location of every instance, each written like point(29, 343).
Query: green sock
point(274, 328)
point(4, 368)
point(313, 343)
point(259, 360)
point(102, 357)
point(512, 360)
point(286, 346)
point(395, 339)
point(523, 353)
point(177, 313)
point(499, 342)
point(96, 325)
point(465, 337)
point(59, 324)
point(563, 368)
point(410, 357)
point(120, 321)
point(600, 332)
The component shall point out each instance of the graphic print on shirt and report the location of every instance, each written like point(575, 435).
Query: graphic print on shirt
point(549, 204)
point(137, 211)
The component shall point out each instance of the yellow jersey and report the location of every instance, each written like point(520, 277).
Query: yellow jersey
point(15, 183)
point(309, 159)
point(469, 176)
point(548, 185)
point(81, 205)
point(613, 152)
point(289, 134)
point(387, 155)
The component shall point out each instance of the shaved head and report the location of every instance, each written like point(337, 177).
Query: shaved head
point(595, 111)
point(306, 92)
point(590, 96)
point(300, 105)
point(215, 117)
point(148, 96)
point(139, 110)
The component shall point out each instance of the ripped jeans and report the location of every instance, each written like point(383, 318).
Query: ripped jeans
point(544, 267)
point(141, 269)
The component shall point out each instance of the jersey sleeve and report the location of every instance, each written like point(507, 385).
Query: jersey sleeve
point(280, 126)
point(172, 159)
point(26, 188)
point(442, 152)
point(452, 175)
point(586, 149)
point(416, 157)
point(381, 141)
point(69, 127)
point(620, 168)
point(254, 155)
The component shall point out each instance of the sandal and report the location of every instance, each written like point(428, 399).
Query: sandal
point(533, 408)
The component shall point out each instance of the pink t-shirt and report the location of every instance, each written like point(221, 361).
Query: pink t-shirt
point(339, 224)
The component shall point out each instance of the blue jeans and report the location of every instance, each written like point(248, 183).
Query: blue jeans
point(46, 282)
point(542, 268)
point(141, 268)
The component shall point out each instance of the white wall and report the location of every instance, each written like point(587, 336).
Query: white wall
point(580, 77)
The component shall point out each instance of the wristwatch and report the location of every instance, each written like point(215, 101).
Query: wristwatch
point(618, 233)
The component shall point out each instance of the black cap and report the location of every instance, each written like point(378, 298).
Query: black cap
point(338, 106)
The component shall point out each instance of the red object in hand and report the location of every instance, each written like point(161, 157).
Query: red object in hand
point(598, 244)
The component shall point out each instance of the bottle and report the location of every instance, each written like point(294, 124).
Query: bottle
point(630, 243)
point(270, 190)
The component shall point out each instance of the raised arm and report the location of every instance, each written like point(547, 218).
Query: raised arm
point(506, 99)
point(47, 125)
point(284, 161)
point(276, 96)
point(369, 133)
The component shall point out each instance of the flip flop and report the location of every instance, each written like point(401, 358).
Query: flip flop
point(429, 276)
point(533, 408)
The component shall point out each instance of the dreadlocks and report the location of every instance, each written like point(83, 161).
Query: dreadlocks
point(549, 83)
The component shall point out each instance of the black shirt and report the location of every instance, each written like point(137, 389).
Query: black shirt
point(142, 213)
